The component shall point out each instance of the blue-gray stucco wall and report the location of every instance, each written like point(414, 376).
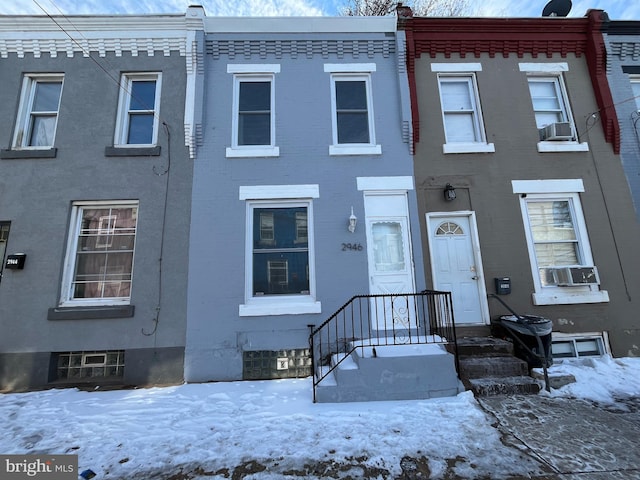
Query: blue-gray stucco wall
point(622, 51)
point(216, 334)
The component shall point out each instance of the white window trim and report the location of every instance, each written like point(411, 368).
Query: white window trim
point(634, 78)
point(27, 95)
point(481, 146)
point(279, 196)
point(356, 72)
point(124, 101)
point(556, 70)
point(456, 67)
point(252, 72)
point(66, 299)
point(563, 337)
point(544, 189)
point(384, 183)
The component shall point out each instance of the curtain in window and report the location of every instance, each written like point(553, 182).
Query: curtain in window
point(553, 231)
point(44, 113)
point(546, 102)
point(388, 250)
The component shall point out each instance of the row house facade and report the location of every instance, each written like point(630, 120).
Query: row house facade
point(185, 198)
point(95, 183)
point(303, 189)
point(514, 116)
point(622, 39)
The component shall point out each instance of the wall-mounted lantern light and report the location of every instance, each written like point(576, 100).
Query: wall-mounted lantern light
point(449, 193)
point(353, 220)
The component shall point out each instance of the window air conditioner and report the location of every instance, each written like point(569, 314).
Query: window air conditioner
point(576, 276)
point(557, 131)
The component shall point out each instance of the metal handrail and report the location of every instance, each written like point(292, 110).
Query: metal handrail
point(522, 321)
point(381, 320)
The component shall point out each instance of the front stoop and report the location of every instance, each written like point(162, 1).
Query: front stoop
point(488, 367)
point(392, 372)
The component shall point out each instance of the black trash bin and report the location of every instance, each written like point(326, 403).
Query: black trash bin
point(523, 327)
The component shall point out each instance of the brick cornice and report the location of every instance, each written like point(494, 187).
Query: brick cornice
point(546, 36)
point(498, 36)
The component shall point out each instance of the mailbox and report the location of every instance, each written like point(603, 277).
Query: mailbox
point(15, 261)
point(503, 285)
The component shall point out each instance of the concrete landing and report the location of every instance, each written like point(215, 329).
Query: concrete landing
point(390, 372)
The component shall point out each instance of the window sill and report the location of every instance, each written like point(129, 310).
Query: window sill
point(468, 148)
point(128, 151)
point(253, 152)
point(355, 150)
point(567, 298)
point(28, 153)
point(282, 306)
point(561, 146)
point(90, 313)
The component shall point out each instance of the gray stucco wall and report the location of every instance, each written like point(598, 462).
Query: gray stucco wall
point(483, 184)
point(217, 335)
point(620, 54)
point(36, 197)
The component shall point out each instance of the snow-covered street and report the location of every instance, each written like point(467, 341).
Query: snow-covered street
point(272, 430)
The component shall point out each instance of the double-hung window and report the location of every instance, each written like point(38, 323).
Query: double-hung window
point(99, 261)
point(38, 113)
point(352, 116)
point(138, 109)
point(253, 125)
point(280, 267)
point(557, 239)
point(461, 112)
point(551, 108)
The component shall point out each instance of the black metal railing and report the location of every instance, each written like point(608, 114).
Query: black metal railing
point(380, 320)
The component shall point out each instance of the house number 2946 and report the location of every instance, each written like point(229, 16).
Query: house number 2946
point(354, 247)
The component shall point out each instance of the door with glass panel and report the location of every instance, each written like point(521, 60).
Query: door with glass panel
point(457, 266)
point(390, 262)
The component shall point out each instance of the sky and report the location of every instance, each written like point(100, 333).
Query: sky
point(617, 9)
point(140, 433)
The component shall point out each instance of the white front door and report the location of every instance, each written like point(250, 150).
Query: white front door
point(456, 265)
point(390, 262)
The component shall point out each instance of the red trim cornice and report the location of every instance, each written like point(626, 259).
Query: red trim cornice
point(544, 36)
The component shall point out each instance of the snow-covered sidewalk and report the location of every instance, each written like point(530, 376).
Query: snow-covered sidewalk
point(272, 428)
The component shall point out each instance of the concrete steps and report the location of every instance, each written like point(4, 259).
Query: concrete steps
point(390, 372)
point(488, 367)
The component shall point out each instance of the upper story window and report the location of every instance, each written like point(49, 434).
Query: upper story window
point(352, 110)
point(635, 87)
point(253, 127)
point(461, 112)
point(38, 112)
point(559, 249)
point(138, 109)
point(554, 120)
point(99, 262)
point(279, 265)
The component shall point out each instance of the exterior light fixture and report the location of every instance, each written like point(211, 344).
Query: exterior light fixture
point(449, 193)
point(352, 221)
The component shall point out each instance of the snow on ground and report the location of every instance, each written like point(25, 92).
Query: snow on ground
point(155, 432)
